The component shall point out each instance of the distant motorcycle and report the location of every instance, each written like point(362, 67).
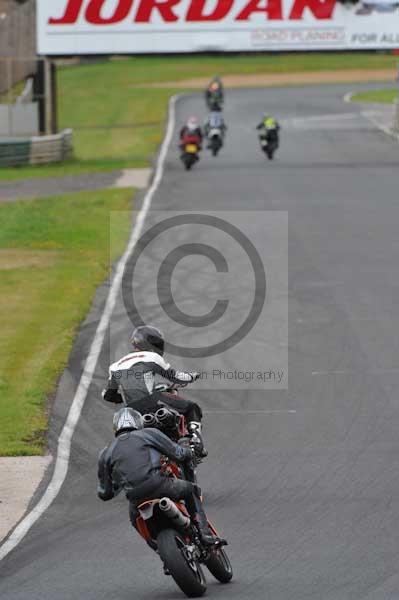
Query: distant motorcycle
point(214, 94)
point(190, 151)
point(214, 102)
point(215, 140)
point(268, 142)
point(215, 129)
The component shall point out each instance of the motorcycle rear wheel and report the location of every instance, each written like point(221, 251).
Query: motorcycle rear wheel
point(187, 573)
point(219, 565)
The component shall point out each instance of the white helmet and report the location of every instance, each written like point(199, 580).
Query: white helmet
point(127, 419)
point(192, 123)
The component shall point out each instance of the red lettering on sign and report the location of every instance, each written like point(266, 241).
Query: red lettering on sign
point(271, 8)
point(163, 6)
point(71, 13)
point(321, 9)
point(93, 12)
point(196, 10)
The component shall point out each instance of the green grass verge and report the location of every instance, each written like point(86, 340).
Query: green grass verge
point(118, 120)
point(54, 252)
point(376, 96)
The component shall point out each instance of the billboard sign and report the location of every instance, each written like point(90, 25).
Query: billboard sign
point(73, 27)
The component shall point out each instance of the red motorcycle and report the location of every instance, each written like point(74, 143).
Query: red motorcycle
point(167, 527)
point(190, 148)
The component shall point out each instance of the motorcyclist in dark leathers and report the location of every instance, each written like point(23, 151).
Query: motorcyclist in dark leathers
point(132, 462)
point(270, 128)
point(214, 94)
point(132, 381)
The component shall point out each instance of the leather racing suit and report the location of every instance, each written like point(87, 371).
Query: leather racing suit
point(132, 381)
point(132, 462)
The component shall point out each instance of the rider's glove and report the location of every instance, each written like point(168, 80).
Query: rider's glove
point(190, 454)
point(194, 376)
point(196, 446)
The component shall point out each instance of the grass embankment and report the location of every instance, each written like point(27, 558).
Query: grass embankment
point(376, 96)
point(118, 119)
point(53, 254)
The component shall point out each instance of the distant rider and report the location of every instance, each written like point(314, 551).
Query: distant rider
point(270, 128)
point(214, 94)
point(191, 132)
point(132, 380)
point(215, 121)
point(132, 462)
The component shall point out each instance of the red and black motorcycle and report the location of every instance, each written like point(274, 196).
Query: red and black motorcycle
point(167, 527)
point(190, 148)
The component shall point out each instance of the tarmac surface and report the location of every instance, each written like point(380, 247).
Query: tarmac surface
point(302, 481)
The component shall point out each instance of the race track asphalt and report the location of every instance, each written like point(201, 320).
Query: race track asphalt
point(304, 481)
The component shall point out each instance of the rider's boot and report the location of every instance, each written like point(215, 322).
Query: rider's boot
point(195, 428)
point(206, 535)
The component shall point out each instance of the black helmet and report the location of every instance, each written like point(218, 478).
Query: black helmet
point(148, 338)
point(127, 419)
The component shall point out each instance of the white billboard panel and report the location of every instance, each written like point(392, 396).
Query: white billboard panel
point(148, 26)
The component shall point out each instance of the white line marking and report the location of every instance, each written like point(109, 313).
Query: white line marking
point(326, 121)
point(247, 412)
point(64, 441)
point(357, 372)
point(372, 118)
point(348, 97)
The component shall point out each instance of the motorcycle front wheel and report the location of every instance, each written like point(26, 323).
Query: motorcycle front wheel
point(184, 569)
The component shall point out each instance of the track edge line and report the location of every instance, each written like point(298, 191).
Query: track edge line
point(65, 439)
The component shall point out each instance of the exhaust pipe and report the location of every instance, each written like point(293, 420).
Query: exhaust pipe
point(149, 420)
point(166, 418)
point(172, 512)
point(163, 414)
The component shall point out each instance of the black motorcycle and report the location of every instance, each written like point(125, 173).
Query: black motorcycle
point(269, 142)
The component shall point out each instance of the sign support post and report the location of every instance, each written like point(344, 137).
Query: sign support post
point(48, 96)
